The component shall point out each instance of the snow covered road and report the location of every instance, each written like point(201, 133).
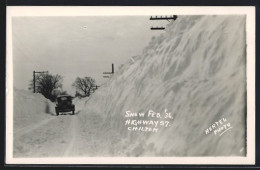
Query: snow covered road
point(47, 138)
point(38, 133)
point(62, 136)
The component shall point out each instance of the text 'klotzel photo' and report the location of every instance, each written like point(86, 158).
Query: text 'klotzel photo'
point(153, 85)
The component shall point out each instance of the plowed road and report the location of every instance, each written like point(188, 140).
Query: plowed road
point(59, 136)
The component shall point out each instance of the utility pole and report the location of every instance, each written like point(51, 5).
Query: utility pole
point(112, 68)
point(112, 72)
point(34, 81)
point(173, 17)
point(157, 28)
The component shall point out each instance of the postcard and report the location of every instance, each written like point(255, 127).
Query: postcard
point(130, 85)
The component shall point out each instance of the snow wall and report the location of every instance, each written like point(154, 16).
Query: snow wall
point(30, 108)
point(196, 70)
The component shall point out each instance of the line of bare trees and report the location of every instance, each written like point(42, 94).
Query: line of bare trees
point(47, 83)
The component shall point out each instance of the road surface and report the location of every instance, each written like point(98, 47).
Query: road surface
point(65, 135)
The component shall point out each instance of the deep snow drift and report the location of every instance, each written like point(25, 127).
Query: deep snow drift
point(30, 108)
point(31, 112)
point(195, 70)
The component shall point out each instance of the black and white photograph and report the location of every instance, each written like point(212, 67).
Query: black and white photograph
point(131, 85)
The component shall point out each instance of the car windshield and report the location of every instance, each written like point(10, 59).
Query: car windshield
point(64, 98)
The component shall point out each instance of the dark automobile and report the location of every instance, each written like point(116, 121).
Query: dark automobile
point(64, 104)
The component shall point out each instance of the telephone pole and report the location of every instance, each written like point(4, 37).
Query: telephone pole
point(157, 28)
point(173, 17)
point(34, 81)
point(112, 72)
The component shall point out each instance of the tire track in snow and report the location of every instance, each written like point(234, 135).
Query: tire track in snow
point(49, 140)
point(30, 128)
point(73, 130)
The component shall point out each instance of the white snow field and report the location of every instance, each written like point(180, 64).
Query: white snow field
point(195, 70)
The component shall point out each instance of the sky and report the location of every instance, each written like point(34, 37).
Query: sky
point(77, 46)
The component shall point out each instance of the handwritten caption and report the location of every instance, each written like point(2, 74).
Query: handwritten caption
point(219, 128)
point(150, 121)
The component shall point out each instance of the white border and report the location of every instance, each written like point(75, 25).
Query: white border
point(133, 11)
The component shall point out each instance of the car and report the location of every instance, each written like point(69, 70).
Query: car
point(64, 104)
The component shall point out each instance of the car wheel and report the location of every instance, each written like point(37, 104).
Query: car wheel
point(73, 112)
point(57, 113)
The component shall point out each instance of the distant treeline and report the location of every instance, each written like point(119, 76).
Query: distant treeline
point(50, 86)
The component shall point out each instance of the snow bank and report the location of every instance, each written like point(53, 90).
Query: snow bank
point(80, 103)
point(195, 70)
point(30, 108)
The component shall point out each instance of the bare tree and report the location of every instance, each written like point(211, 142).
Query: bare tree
point(45, 84)
point(84, 85)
